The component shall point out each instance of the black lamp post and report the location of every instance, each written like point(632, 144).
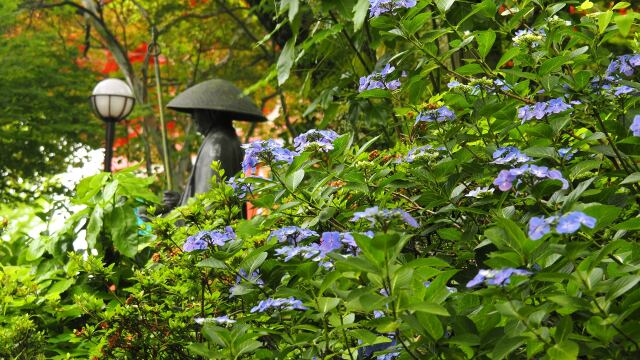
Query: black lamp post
point(112, 100)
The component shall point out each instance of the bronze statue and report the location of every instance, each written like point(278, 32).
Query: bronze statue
point(213, 105)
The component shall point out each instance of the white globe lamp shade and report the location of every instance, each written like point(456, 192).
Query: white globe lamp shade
point(112, 100)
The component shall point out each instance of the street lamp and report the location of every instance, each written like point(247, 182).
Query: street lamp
point(112, 100)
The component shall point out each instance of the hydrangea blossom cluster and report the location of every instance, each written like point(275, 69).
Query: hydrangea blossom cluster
point(623, 65)
point(292, 234)
point(440, 114)
point(422, 152)
point(529, 38)
point(542, 109)
point(374, 214)
point(480, 192)
point(379, 7)
point(477, 85)
point(509, 155)
point(204, 239)
point(496, 277)
point(281, 304)
point(329, 241)
point(220, 320)
point(565, 224)
point(315, 140)
point(269, 151)
point(378, 80)
point(623, 90)
point(635, 126)
point(505, 178)
point(240, 188)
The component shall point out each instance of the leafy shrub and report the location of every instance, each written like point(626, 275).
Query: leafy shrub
point(502, 222)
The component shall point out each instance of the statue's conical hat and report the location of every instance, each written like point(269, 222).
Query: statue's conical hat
point(220, 95)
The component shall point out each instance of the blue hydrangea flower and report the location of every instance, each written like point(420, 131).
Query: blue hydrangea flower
point(541, 109)
point(635, 126)
point(292, 234)
point(538, 227)
point(268, 151)
point(379, 7)
point(221, 320)
point(240, 188)
point(315, 140)
point(440, 114)
point(623, 90)
point(504, 181)
point(571, 222)
point(422, 152)
point(509, 154)
point(623, 65)
point(379, 80)
point(374, 214)
point(566, 153)
point(496, 277)
point(204, 239)
point(279, 304)
point(480, 192)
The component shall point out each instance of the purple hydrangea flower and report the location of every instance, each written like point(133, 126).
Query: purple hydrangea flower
point(541, 109)
point(292, 234)
point(571, 222)
point(268, 151)
point(623, 65)
point(635, 126)
point(240, 188)
point(509, 154)
point(379, 7)
point(315, 140)
point(379, 80)
point(538, 227)
point(623, 90)
point(496, 277)
point(204, 239)
point(280, 304)
point(504, 181)
point(440, 114)
point(566, 153)
point(480, 192)
point(374, 214)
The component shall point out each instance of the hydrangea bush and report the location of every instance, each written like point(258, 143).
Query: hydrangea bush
point(500, 221)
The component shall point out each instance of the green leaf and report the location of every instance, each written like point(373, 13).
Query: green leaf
point(625, 22)
point(432, 325)
point(360, 11)
point(566, 350)
point(506, 346)
point(470, 69)
point(552, 64)
point(485, 41)
point(326, 304)
point(285, 60)
point(627, 225)
point(212, 263)
point(294, 179)
point(374, 93)
point(632, 179)
point(603, 21)
point(429, 308)
point(620, 286)
point(124, 231)
point(508, 55)
point(444, 5)
point(94, 227)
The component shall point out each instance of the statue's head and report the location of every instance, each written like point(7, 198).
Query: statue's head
point(206, 120)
